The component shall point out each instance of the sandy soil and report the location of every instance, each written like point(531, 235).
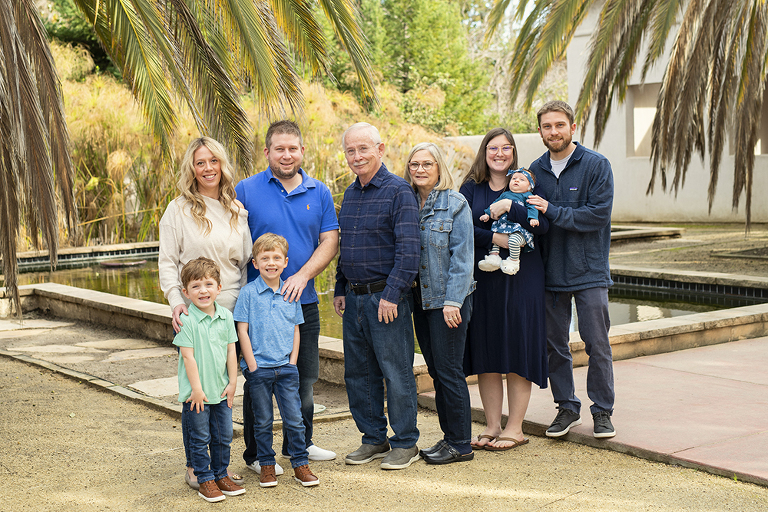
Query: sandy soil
point(67, 446)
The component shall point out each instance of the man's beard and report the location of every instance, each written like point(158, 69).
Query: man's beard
point(558, 146)
point(285, 175)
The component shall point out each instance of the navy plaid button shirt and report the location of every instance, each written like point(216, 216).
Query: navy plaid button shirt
point(379, 235)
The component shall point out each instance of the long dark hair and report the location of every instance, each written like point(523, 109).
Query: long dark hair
point(479, 170)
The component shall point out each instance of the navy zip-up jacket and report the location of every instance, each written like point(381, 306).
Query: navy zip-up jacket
point(575, 250)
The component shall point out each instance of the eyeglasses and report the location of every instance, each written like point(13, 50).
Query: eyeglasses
point(360, 150)
point(414, 166)
point(507, 149)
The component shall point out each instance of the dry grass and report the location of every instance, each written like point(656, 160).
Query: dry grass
point(122, 184)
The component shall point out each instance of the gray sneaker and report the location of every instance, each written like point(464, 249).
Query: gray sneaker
point(367, 452)
point(400, 458)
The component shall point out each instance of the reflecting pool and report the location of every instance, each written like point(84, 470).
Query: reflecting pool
point(140, 282)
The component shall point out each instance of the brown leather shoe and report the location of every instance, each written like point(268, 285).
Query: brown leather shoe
point(267, 478)
point(304, 476)
point(229, 487)
point(210, 492)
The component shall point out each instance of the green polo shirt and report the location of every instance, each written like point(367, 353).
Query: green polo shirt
point(208, 336)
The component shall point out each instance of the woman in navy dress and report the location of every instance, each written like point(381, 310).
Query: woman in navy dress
point(507, 333)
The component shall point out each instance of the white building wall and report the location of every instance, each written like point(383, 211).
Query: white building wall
point(632, 173)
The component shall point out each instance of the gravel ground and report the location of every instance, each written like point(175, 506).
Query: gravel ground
point(67, 446)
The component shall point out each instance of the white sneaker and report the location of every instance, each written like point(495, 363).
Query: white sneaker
point(490, 263)
point(257, 468)
point(510, 266)
point(317, 453)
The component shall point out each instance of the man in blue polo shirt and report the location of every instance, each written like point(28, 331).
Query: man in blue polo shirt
point(286, 201)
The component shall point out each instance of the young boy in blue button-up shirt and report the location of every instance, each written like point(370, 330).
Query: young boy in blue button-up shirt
point(268, 329)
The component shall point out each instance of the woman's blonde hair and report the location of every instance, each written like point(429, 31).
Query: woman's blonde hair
point(444, 177)
point(187, 183)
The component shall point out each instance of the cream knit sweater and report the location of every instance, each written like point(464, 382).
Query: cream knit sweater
point(182, 240)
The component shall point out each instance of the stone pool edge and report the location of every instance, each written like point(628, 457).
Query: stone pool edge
point(153, 321)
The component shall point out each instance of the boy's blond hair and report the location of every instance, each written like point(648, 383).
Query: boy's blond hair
point(199, 269)
point(270, 242)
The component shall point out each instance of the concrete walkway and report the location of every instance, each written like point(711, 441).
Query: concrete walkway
point(705, 408)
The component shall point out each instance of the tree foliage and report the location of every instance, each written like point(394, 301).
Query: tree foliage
point(202, 53)
point(713, 83)
point(421, 47)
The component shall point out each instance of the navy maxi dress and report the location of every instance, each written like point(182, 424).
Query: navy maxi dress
point(507, 332)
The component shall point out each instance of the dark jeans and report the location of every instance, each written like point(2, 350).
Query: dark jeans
point(282, 383)
point(211, 427)
point(443, 350)
point(309, 370)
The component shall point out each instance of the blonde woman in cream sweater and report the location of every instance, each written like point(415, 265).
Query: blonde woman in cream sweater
point(204, 220)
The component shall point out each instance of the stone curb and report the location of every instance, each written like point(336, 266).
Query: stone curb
point(172, 410)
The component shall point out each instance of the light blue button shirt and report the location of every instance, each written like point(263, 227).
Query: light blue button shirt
point(271, 322)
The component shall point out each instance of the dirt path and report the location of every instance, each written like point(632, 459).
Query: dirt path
point(67, 446)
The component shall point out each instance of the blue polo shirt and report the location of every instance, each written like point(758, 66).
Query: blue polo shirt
point(271, 322)
point(300, 217)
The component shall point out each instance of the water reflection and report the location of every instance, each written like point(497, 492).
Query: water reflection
point(142, 283)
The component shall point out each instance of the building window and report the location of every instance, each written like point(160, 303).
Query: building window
point(640, 108)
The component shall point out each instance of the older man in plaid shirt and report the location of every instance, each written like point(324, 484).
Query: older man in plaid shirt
point(378, 263)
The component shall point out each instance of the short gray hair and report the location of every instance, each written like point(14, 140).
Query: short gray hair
point(372, 131)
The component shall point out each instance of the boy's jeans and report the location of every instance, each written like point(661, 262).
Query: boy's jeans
point(283, 383)
point(210, 427)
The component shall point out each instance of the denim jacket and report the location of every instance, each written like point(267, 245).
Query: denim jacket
point(447, 250)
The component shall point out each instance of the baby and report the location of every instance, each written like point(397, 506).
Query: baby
point(521, 184)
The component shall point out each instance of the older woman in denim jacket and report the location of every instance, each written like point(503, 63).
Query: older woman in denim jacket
point(444, 304)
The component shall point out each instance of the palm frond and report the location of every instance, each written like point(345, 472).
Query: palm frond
point(214, 94)
point(496, 15)
point(615, 45)
point(564, 18)
point(749, 104)
point(343, 17)
point(724, 76)
point(296, 18)
point(31, 117)
point(525, 43)
point(665, 14)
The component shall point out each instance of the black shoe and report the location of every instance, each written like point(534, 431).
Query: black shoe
point(446, 455)
point(564, 420)
point(433, 449)
point(603, 426)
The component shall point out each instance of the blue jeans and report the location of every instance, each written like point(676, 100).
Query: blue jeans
point(443, 350)
point(594, 323)
point(283, 383)
point(211, 427)
point(375, 353)
point(309, 371)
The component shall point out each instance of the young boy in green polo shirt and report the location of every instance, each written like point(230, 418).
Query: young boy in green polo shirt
point(207, 379)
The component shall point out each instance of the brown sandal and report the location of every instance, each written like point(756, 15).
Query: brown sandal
point(482, 446)
point(515, 444)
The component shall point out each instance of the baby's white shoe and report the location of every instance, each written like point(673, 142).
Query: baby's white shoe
point(490, 263)
point(510, 266)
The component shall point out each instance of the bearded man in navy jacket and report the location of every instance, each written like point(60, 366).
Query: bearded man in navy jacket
point(579, 185)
